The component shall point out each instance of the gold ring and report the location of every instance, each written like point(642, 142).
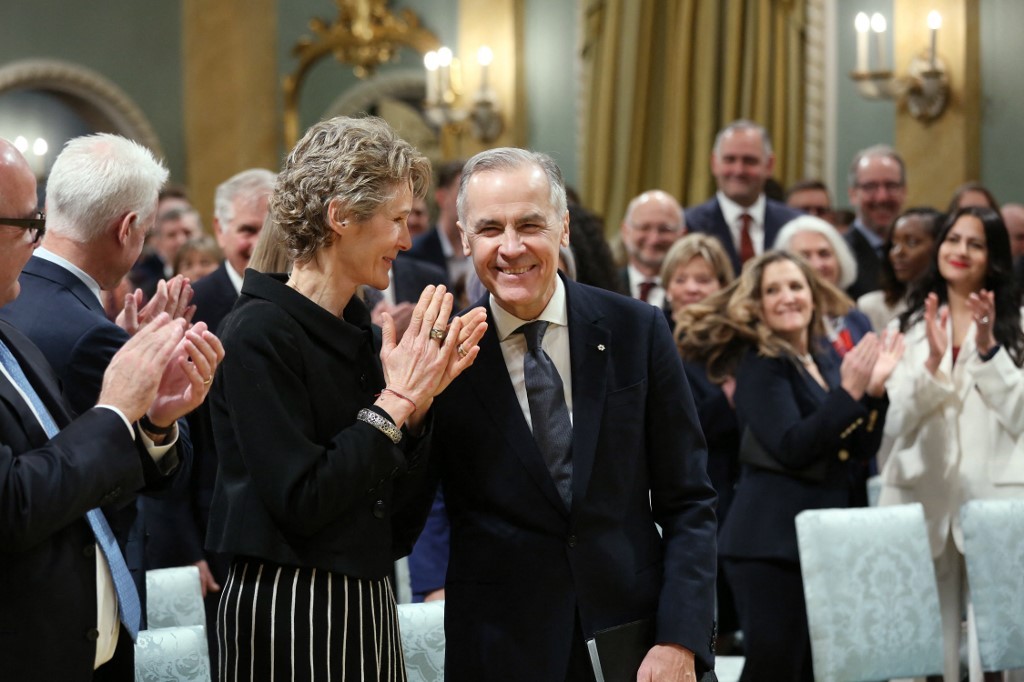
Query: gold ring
point(438, 334)
point(207, 382)
point(462, 351)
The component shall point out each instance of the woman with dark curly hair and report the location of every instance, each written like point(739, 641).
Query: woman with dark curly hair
point(809, 425)
point(957, 415)
point(320, 419)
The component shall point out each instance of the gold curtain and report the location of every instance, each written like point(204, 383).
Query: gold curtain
point(663, 76)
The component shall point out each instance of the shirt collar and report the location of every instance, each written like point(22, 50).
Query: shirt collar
point(236, 279)
point(555, 312)
point(88, 281)
point(874, 240)
point(732, 211)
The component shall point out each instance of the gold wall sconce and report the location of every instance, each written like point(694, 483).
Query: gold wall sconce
point(445, 92)
point(925, 87)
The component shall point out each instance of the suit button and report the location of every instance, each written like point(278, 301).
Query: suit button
point(379, 509)
point(89, 551)
point(572, 541)
point(92, 634)
point(844, 455)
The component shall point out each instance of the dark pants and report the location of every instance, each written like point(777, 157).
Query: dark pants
point(770, 604)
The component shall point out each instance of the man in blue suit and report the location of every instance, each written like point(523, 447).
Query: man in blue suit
point(561, 455)
point(740, 215)
point(65, 585)
point(102, 197)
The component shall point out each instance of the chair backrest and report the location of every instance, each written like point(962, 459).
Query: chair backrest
point(422, 628)
point(994, 553)
point(869, 584)
point(172, 655)
point(174, 598)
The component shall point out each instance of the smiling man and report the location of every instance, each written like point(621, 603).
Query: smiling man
point(569, 439)
point(740, 215)
point(653, 223)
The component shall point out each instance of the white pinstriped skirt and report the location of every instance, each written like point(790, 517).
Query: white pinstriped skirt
point(286, 623)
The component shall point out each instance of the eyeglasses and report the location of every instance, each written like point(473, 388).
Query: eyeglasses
point(872, 187)
point(36, 226)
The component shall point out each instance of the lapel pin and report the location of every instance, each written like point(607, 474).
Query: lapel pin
point(600, 346)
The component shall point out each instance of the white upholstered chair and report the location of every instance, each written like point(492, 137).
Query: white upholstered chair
point(872, 603)
point(174, 597)
point(994, 553)
point(178, 654)
point(422, 628)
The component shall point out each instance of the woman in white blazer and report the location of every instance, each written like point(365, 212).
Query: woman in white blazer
point(956, 414)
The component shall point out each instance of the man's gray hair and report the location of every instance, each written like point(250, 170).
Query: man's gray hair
point(879, 150)
point(249, 185)
point(97, 179)
point(740, 126)
point(510, 159)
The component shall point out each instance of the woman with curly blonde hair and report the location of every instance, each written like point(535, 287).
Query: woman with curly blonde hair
point(809, 425)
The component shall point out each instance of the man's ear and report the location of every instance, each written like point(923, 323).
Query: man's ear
point(217, 232)
point(564, 241)
point(466, 251)
point(125, 225)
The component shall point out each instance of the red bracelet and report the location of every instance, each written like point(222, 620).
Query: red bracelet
point(397, 395)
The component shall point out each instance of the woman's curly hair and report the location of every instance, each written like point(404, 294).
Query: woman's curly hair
point(347, 165)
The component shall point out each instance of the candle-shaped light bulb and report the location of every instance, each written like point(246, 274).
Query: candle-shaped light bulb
point(444, 62)
point(878, 28)
point(444, 57)
point(484, 57)
point(21, 143)
point(863, 24)
point(39, 147)
point(934, 24)
point(430, 62)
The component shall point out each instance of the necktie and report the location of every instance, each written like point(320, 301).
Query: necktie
point(746, 243)
point(552, 429)
point(127, 596)
point(645, 289)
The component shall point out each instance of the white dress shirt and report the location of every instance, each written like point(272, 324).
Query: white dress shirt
point(555, 344)
point(656, 297)
point(732, 211)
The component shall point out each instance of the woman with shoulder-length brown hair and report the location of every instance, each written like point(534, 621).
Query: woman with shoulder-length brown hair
point(809, 426)
point(320, 420)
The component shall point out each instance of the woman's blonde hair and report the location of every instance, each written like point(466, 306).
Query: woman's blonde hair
point(720, 329)
point(691, 246)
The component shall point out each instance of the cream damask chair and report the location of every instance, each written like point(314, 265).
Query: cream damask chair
point(994, 553)
point(178, 654)
point(174, 597)
point(872, 603)
point(422, 628)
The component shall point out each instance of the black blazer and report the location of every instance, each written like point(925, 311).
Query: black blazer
point(300, 481)
point(799, 424)
point(427, 247)
point(708, 218)
point(66, 321)
point(412, 276)
point(522, 565)
point(869, 265)
point(48, 564)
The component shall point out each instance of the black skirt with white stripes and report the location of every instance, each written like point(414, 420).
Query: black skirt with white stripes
point(286, 623)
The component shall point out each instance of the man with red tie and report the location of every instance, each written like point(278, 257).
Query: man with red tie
point(740, 215)
point(653, 222)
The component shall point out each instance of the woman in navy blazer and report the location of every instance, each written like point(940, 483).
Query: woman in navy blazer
point(809, 425)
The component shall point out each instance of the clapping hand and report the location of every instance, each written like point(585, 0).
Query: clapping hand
point(935, 329)
point(858, 365)
point(890, 351)
point(173, 297)
point(983, 310)
point(188, 376)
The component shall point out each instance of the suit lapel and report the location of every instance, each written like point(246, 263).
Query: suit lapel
point(43, 386)
point(724, 235)
point(493, 387)
point(589, 352)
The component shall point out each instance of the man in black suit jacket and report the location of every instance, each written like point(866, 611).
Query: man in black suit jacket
point(653, 223)
point(59, 619)
point(877, 190)
point(742, 160)
point(536, 566)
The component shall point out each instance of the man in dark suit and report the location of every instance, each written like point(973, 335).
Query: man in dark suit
point(560, 454)
point(65, 583)
point(178, 532)
point(440, 246)
point(653, 223)
point(740, 215)
point(877, 190)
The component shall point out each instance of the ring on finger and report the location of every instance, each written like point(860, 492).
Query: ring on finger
point(207, 381)
point(461, 350)
point(438, 334)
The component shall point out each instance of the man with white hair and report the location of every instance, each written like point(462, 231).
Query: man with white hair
point(654, 221)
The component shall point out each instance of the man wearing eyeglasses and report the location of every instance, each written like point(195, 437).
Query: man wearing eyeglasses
point(69, 603)
point(654, 221)
point(877, 189)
